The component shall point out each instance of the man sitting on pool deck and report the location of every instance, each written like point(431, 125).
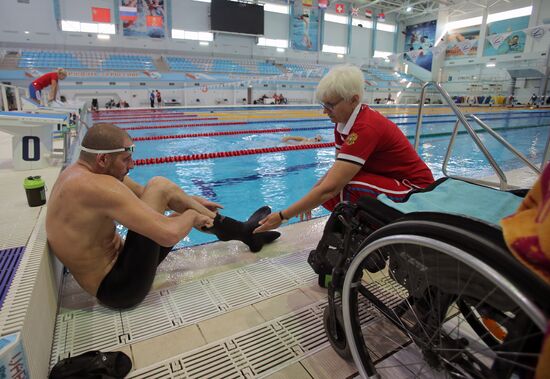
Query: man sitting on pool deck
point(95, 192)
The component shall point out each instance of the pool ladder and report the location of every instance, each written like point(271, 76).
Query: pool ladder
point(465, 119)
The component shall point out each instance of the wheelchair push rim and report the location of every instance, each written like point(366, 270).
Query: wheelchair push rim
point(361, 356)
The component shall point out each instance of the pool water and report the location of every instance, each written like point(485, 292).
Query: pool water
point(244, 183)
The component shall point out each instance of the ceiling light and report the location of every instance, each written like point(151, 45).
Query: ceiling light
point(204, 43)
point(340, 56)
point(103, 36)
point(280, 50)
point(490, 65)
point(27, 32)
point(409, 9)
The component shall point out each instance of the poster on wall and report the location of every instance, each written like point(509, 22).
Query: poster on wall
point(304, 30)
point(462, 43)
point(419, 39)
point(506, 37)
point(142, 18)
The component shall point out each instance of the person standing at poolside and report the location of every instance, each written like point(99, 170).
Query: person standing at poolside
point(373, 156)
point(94, 193)
point(51, 79)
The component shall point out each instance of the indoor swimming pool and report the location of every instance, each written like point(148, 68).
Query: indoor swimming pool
point(243, 183)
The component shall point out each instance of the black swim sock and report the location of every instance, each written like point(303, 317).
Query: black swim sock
point(227, 228)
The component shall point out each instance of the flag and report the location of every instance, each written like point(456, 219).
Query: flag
point(465, 46)
point(128, 13)
point(354, 11)
point(307, 3)
point(101, 14)
point(497, 39)
point(340, 8)
point(153, 21)
point(368, 13)
point(381, 17)
point(323, 4)
point(537, 33)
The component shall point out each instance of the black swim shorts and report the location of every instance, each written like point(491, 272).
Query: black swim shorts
point(132, 275)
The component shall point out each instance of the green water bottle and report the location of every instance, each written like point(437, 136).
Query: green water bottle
point(36, 191)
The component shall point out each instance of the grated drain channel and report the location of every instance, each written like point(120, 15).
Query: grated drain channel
point(256, 353)
point(163, 311)
point(265, 349)
point(9, 261)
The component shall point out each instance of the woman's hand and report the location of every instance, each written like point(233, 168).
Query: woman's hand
point(305, 216)
point(273, 221)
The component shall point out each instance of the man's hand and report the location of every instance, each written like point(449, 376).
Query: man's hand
point(202, 221)
point(208, 204)
point(273, 221)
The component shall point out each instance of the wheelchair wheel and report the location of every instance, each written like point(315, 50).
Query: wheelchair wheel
point(455, 303)
point(338, 341)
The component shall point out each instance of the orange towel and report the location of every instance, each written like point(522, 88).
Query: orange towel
point(527, 234)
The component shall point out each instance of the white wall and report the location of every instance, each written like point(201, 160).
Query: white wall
point(39, 20)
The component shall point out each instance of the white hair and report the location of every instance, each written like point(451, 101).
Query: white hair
point(344, 81)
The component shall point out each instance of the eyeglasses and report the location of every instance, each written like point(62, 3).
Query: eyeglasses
point(330, 107)
point(130, 149)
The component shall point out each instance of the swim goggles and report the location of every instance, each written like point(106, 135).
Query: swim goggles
point(131, 149)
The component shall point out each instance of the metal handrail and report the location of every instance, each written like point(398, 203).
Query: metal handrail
point(463, 119)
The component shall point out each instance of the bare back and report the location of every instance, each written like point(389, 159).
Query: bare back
point(80, 232)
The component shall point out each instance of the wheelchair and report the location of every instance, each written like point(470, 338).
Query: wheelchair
point(442, 286)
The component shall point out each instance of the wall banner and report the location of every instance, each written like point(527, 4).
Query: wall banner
point(419, 41)
point(462, 43)
point(142, 18)
point(304, 30)
point(506, 37)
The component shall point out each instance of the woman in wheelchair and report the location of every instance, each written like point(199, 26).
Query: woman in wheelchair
point(373, 156)
point(429, 287)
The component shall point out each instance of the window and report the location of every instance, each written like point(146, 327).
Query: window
point(276, 8)
point(195, 36)
point(329, 17)
point(382, 54)
point(385, 27)
point(463, 23)
point(519, 12)
point(283, 43)
point(335, 49)
point(87, 27)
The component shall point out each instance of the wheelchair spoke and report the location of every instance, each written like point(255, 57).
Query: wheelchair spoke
point(461, 323)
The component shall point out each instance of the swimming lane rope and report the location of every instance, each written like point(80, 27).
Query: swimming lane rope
point(227, 154)
point(185, 125)
point(226, 133)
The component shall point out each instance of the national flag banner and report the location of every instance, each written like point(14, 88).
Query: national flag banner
point(497, 39)
point(307, 3)
point(537, 32)
point(340, 8)
point(354, 11)
point(128, 13)
point(368, 13)
point(465, 46)
point(154, 21)
point(381, 17)
point(323, 4)
point(101, 14)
